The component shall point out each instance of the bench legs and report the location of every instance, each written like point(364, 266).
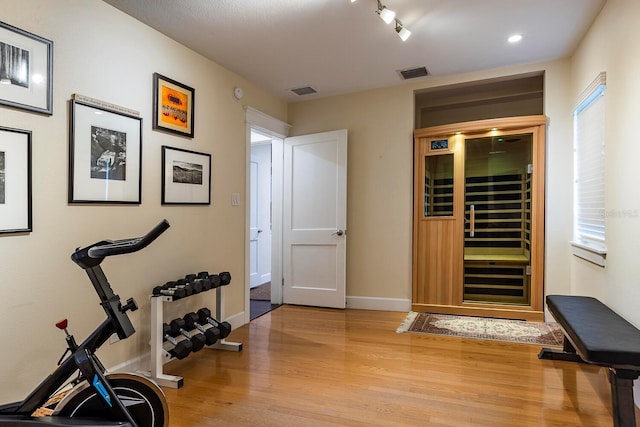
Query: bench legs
point(621, 380)
point(622, 397)
point(567, 354)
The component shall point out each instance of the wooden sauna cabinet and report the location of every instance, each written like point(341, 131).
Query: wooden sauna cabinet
point(478, 237)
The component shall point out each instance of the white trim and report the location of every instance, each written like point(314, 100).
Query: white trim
point(380, 304)
point(279, 130)
point(600, 80)
point(259, 120)
point(237, 320)
point(138, 364)
point(589, 253)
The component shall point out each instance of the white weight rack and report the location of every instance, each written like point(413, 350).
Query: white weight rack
point(160, 356)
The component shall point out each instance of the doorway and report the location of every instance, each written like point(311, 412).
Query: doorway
point(262, 298)
point(307, 172)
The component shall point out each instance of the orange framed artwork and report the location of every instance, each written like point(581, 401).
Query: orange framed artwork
point(173, 106)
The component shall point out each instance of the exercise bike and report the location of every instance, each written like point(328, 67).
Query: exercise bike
point(96, 398)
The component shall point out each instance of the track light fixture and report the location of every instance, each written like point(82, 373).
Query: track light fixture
point(387, 15)
point(403, 33)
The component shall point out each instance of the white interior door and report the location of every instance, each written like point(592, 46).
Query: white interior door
point(254, 231)
point(315, 219)
point(260, 215)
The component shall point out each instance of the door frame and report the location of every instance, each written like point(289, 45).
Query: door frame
point(279, 130)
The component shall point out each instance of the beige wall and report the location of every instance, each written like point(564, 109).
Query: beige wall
point(618, 54)
point(380, 124)
point(103, 53)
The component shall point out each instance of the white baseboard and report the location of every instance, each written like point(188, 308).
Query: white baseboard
point(140, 363)
point(380, 304)
point(236, 320)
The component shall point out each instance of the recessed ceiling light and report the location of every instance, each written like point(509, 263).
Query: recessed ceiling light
point(515, 38)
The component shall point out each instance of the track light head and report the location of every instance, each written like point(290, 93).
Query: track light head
point(387, 15)
point(403, 33)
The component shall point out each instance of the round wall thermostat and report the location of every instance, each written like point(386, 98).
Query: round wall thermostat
point(238, 93)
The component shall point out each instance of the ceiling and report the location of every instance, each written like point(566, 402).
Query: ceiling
point(337, 47)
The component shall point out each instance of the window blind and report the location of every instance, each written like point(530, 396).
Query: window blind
point(589, 189)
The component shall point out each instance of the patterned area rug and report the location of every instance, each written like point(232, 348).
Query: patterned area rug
point(517, 331)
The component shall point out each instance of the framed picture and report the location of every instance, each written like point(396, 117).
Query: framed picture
point(173, 105)
point(26, 70)
point(105, 155)
point(186, 177)
point(15, 180)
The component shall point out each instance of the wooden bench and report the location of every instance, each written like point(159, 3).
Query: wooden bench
point(595, 334)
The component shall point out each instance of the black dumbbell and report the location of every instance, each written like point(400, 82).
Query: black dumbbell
point(206, 284)
point(203, 275)
point(175, 293)
point(179, 284)
point(211, 334)
point(201, 284)
point(215, 281)
point(225, 278)
point(187, 286)
point(204, 315)
point(178, 328)
point(181, 349)
point(196, 285)
point(190, 277)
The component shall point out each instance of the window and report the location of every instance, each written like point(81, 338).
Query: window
point(589, 187)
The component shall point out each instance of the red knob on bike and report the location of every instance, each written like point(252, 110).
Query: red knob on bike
point(62, 324)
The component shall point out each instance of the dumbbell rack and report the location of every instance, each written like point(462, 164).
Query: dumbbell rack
point(160, 356)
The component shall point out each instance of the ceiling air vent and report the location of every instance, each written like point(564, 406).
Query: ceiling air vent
point(306, 90)
point(414, 73)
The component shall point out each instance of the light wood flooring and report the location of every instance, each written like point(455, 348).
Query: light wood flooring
point(320, 367)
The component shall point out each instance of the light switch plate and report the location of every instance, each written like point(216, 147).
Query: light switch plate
point(235, 199)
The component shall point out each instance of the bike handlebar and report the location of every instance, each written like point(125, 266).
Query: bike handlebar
point(125, 246)
point(94, 254)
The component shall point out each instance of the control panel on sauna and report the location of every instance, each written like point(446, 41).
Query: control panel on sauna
point(439, 144)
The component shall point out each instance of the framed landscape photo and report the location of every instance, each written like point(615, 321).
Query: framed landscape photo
point(105, 155)
point(26, 70)
point(173, 106)
point(15, 180)
point(186, 177)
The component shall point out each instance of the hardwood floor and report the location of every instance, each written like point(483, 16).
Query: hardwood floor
point(320, 367)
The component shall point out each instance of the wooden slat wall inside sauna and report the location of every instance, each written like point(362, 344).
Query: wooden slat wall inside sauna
point(496, 257)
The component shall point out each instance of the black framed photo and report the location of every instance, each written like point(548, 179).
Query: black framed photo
point(105, 155)
point(26, 70)
point(15, 180)
point(173, 106)
point(186, 177)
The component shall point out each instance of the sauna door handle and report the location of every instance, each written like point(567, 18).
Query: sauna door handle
point(472, 221)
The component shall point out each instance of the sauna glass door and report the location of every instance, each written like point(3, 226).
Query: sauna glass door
point(497, 225)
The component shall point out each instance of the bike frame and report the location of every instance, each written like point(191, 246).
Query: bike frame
point(83, 356)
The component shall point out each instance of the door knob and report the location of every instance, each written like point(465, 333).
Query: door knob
point(339, 232)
